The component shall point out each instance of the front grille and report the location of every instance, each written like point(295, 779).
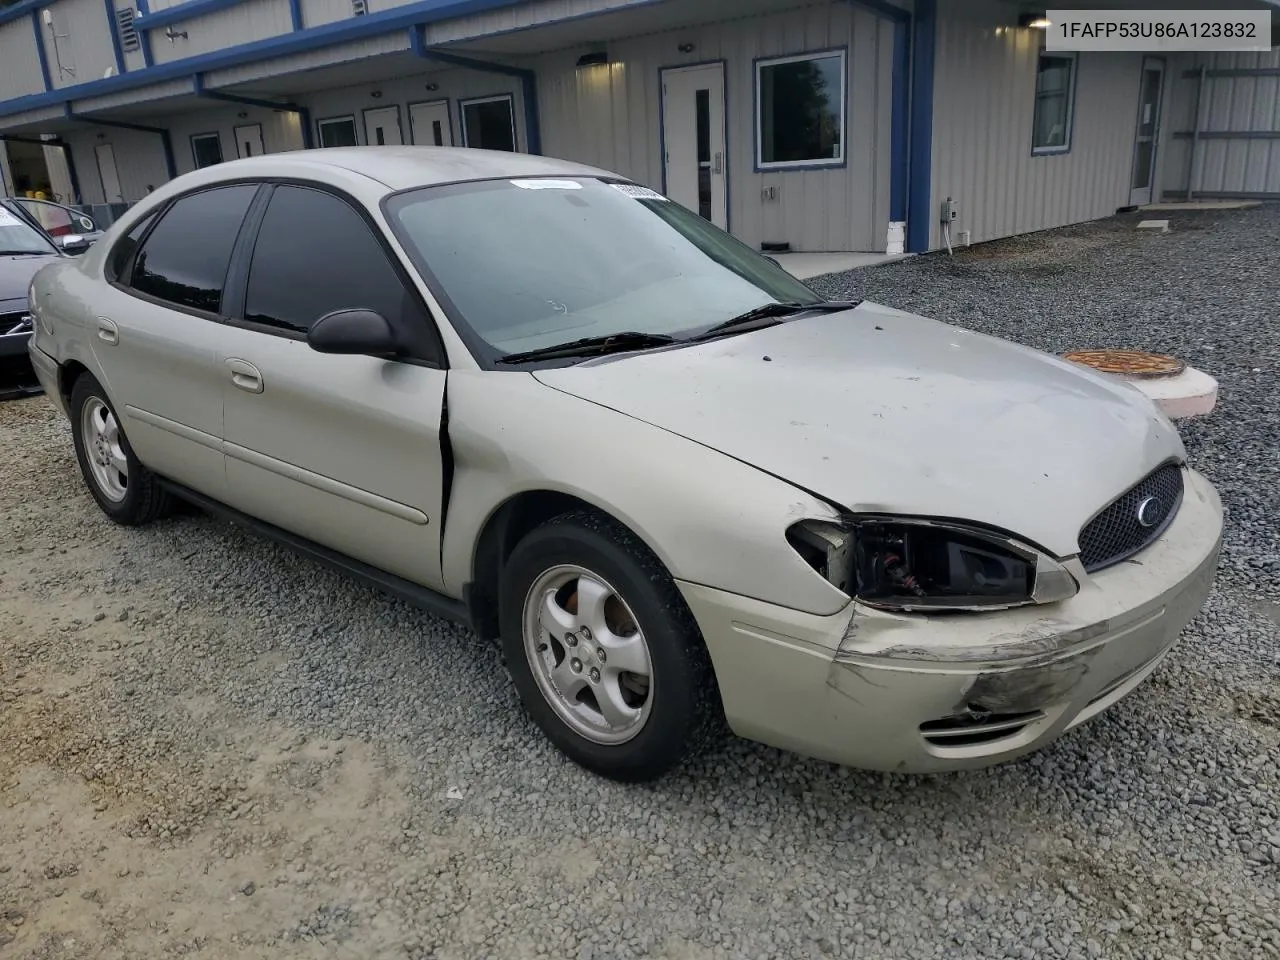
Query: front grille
point(14, 323)
point(1133, 520)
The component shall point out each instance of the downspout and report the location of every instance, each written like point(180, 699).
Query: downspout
point(919, 200)
point(166, 142)
point(528, 81)
point(304, 115)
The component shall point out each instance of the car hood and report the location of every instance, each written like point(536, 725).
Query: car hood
point(879, 410)
point(15, 277)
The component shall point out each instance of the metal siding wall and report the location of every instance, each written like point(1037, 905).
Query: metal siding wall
point(139, 161)
point(327, 56)
point(516, 18)
point(1230, 104)
point(280, 131)
point(245, 22)
point(984, 101)
point(19, 63)
point(317, 12)
point(170, 88)
point(84, 42)
point(453, 84)
point(609, 117)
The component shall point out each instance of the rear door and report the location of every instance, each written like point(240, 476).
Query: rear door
point(155, 330)
point(342, 450)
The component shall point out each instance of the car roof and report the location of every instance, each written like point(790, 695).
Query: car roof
point(402, 167)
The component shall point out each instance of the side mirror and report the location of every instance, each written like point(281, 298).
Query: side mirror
point(73, 243)
point(353, 332)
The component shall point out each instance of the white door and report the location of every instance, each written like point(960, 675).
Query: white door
point(1148, 132)
point(107, 171)
point(382, 127)
point(429, 124)
point(694, 138)
point(249, 140)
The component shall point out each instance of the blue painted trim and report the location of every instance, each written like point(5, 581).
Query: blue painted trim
point(662, 130)
point(920, 189)
point(448, 113)
point(806, 166)
point(1071, 105)
point(188, 10)
point(301, 41)
point(295, 13)
point(304, 115)
point(899, 138)
point(166, 142)
point(463, 103)
point(40, 52)
point(304, 123)
point(19, 10)
point(144, 38)
point(113, 28)
point(528, 84)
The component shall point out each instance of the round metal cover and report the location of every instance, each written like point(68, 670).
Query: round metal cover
point(1128, 363)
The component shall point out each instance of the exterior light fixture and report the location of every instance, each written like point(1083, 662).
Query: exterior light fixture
point(1036, 21)
point(594, 59)
point(685, 48)
point(376, 94)
point(432, 87)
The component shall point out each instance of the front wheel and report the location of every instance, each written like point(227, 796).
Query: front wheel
point(605, 655)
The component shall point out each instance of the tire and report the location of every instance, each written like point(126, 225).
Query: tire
point(135, 497)
point(666, 720)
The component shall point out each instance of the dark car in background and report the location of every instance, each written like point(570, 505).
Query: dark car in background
point(24, 248)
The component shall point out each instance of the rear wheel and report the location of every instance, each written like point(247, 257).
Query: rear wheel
point(127, 492)
point(604, 653)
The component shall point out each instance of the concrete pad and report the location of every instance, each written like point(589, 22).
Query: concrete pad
point(1155, 226)
point(1190, 206)
point(806, 266)
point(1191, 393)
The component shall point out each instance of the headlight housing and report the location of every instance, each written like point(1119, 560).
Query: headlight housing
point(922, 565)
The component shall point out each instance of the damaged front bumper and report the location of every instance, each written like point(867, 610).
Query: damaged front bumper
point(917, 693)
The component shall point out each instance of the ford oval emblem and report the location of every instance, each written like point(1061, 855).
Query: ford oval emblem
point(1150, 511)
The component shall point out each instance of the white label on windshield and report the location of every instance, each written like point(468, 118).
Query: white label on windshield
point(7, 219)
point(547, 184)
point(637, 191)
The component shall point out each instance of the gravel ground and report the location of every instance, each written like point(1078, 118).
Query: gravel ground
point(210, 745)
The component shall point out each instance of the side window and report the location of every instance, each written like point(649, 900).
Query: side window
point(314, 254)
point(118, 262)
point(185, 259)
point(55, 220)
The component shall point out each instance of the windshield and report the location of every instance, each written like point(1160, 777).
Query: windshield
point(532, 263)
point(18, 236)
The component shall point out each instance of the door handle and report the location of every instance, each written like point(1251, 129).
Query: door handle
point(108, 332)
point(245, 375)
point(718, 165)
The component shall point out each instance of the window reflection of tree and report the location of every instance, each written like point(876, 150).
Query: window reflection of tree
point(806, 126)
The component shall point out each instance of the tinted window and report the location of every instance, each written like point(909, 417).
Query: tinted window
point(55, 220)
point(118, 265)
point(315, 254)
point(185, 259)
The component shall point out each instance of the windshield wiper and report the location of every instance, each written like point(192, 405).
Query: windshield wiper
point(593, 346)
point(775, 309)
point(22, 253)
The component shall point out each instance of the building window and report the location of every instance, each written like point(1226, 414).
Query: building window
point(800, 110)
point(206, 148)
point(1055, 103)
point(489, 123)
point(338, 132)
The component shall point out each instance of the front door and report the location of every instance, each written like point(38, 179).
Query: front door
point(343, 450)
point(107, 171)
point(1144, 149)
point(693, 133)
point(249, 140)
point(429, 124)
point(382, 127)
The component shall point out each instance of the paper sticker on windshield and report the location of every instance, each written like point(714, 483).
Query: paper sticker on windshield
point(7, 219)
point(637, 191)
point(547, 184)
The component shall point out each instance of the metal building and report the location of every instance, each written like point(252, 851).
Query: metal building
point(800, 125)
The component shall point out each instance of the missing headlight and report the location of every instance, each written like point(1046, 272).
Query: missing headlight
point(928, 566)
